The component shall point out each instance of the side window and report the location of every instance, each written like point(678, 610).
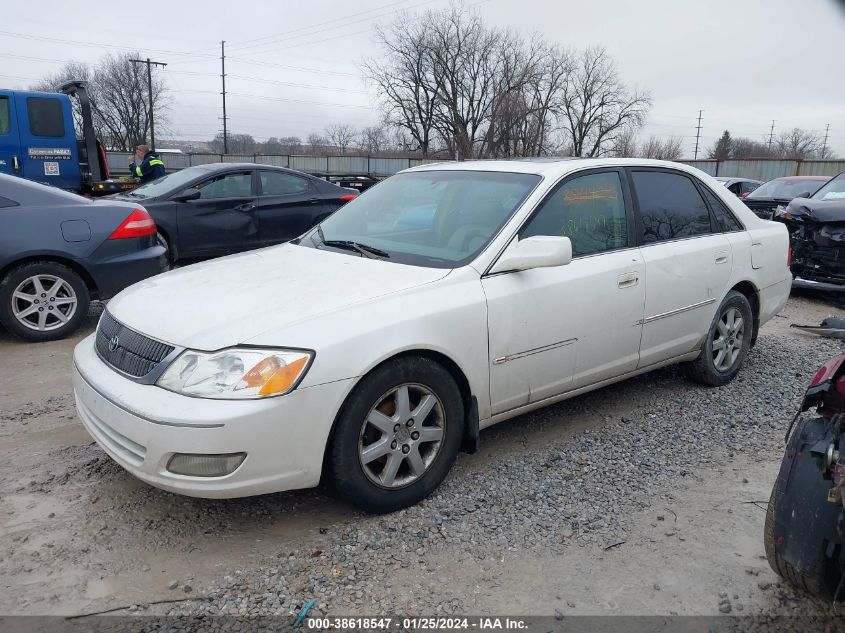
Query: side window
point(724, 218)
point(238, 185)
point(45, 117)
point(735, 188)
point(748, 186)
point(589, 210)
point(278, 183)
point(5, 122)
point(670, 207)
point(5, 202)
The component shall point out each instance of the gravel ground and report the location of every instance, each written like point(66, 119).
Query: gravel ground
point(584, 485)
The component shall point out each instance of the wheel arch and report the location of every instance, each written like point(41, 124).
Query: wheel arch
point(471, 418)
point(750, 292)
point(55, 259)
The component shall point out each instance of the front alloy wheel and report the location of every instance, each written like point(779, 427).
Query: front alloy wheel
point(397, 435)
point(401, 436)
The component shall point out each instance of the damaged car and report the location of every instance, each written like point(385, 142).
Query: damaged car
point(765, 200)
point(804, 532)
point(817, 235)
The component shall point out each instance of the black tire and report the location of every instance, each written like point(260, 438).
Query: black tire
point(56, 330)
point(168, 252)
point(821, 574)
point(345, 467)
point(704, 369)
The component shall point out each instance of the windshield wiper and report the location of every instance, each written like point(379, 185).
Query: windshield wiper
point(351, 245)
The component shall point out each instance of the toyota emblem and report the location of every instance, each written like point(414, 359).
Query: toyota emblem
point(114, 342)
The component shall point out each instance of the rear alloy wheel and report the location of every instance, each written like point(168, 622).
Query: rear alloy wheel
point(727, 343)
point(43, 301)
point(162, 241)
point(397, 435)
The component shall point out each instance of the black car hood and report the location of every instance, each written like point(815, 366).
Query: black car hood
point(821, 211)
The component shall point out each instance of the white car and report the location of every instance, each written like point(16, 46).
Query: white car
point(446, 299)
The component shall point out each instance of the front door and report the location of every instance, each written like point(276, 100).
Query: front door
point(10, 143)
point(288, 205)
point(687, 260)
point(224, 219)
point(556, 329)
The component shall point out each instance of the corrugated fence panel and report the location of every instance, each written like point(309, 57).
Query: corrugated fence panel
point(276, 161)
point(707, 166)
point(119, 161)
point(821, 167)
point(204, 159)
point(238, 158)
point(350, 165)
point(310, 164)
point(176, 161)
point(387, 166)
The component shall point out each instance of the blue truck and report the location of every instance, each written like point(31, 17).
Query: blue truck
point(39, 141)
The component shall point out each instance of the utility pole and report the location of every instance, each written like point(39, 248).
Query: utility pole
point(150, 94)
point(771, 135)
point(223, 77)
point(697, 134)
point(824, 144)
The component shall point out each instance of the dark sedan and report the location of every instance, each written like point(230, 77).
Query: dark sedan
point(765, 200)
point(59, 250)
point(223, 208)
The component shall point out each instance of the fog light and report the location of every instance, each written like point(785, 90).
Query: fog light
point(205, 465)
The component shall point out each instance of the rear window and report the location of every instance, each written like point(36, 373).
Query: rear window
point(45, 117)
point(5, 124)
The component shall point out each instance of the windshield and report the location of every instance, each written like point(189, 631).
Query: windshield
point(441, 219)
point(833, 189)
point(166, 184)
point(786, 189)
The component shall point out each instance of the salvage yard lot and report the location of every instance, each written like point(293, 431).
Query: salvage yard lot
point(646, 497)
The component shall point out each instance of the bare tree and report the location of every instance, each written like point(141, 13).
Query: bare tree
point(341, 135)
point(290, 145)
point(662, 149)
point(625, 145)
point(373, 139)
point(405, 82)
point(798, 144)
point(317, 144)
point(119, 98)
point(597, 106)
point(742, 147)
point(236, 144)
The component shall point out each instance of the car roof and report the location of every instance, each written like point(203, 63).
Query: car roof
point(550, 166)
point(803, 178)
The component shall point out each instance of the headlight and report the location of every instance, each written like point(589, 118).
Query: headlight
point(235, 374)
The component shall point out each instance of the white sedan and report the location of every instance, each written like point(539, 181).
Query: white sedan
point(446, 299)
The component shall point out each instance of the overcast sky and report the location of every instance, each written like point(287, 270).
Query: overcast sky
point(293, 66)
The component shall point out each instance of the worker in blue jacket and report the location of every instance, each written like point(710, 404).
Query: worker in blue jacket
point(148, 165)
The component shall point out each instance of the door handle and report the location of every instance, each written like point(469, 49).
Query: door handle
point(16, 163)
point(627, 280)
point(722, 258)
point(313, 200)
point(248, 206)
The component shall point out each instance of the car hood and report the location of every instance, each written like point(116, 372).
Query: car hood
point(231, 300)
point(817, 210)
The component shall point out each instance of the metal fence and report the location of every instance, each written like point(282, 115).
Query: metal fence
point(758, 169)
point(766, 169)
point(340, 165)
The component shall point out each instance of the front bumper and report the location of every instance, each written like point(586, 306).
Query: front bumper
point(142, 426)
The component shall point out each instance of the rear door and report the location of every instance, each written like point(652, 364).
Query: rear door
point(288, 205)
point(50, 154)
point(688, 262)
point(224, 219)
point(10, 144)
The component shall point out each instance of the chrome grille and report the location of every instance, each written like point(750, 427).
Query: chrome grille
point(126, 350)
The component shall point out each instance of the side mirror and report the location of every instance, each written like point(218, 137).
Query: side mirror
point(188, 194)
point(540, 251)
point(804, 194)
